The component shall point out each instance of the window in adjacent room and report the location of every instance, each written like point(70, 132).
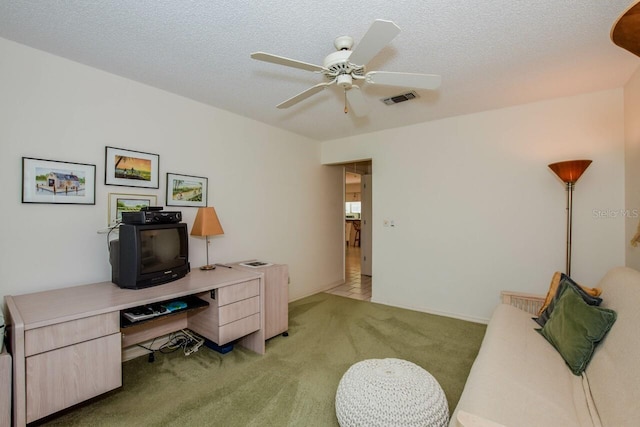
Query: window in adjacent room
point(352, 209)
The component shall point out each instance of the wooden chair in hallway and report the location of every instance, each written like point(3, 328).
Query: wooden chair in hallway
point(356, 240)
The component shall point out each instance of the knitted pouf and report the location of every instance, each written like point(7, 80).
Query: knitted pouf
point(390, 392)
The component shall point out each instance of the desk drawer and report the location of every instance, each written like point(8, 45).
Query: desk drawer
point(67, 333)
point(239, 328)
point(61, 378)
point(238, 310)
point(228, 294)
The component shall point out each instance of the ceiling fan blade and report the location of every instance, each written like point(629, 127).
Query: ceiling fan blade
point(377, 37)
point(625, 31)
point(304, 95)
point(408, 80)
point(281, 60)
point(357, 102)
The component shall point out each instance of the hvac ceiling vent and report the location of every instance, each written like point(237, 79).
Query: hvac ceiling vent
point(400, 98)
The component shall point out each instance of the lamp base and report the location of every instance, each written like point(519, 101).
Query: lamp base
point(208, 267)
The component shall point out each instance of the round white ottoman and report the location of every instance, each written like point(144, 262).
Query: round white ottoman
point(390, 392)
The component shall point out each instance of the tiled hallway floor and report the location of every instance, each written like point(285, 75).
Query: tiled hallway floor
point(356, 285)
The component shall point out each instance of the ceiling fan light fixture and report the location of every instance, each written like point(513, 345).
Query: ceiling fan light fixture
point(345, 81)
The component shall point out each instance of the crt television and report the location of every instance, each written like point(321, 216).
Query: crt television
point(146, 255)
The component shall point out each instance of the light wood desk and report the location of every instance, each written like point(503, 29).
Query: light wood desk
point(67, 343)
point(276, 296)
point(5, 388)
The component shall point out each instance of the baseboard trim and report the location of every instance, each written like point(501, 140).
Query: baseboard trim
point(407, 307)
point(436, 312)
point(317, 291)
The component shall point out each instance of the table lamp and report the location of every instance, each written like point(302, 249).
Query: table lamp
point(207, 224)
point(569, 172)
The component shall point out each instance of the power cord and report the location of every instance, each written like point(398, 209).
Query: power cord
point(113, 227)
point(194, 343)
point(186, 340)
point(152, 352)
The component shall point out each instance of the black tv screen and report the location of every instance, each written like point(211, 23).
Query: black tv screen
point(149, 255)
point(160, 250)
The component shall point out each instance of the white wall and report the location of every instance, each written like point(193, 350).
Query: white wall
point(271, 193)
point(352, 188)
point(477, 210)
point(632, 171)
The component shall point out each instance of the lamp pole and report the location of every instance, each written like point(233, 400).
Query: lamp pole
point(570, 186)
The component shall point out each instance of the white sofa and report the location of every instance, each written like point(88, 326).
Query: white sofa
point(520, 380)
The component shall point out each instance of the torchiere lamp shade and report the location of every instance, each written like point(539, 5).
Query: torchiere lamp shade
point(571, 170)
point(206, 223)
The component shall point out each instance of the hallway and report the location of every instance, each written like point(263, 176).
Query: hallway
point(356, 285)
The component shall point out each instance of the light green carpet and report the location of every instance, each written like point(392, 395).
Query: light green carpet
point(295, 382)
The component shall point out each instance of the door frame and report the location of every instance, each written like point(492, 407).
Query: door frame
point(368, 170)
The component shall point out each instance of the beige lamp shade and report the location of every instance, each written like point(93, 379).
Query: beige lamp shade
point(206, 223)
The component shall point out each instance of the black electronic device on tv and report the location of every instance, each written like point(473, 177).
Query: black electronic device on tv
point(152, 216)
point(147, 255)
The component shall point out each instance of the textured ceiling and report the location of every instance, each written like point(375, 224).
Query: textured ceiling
point(491, 54)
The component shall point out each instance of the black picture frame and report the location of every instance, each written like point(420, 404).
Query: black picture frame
point(186, 190)
point(58, 182)
point(129, 168)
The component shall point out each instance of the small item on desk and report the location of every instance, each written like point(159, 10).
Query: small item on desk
point(175, 305)
point(137, 314)
point(159, 309)
point(255, 264)
point(223, 265)
point(144, 312)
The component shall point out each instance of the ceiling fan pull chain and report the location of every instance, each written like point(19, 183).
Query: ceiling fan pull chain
point(345, 101)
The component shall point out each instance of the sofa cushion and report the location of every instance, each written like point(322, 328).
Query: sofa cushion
point(553, 290)
point(614, 371)
point(518, 379)
point(563, 282)
point(576, 328)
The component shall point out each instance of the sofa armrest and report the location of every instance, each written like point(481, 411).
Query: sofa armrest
point(530, 303)
point(465, 419)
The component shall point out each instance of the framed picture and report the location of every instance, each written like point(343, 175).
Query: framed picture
point(53, 181)
point(119, 203)
point(131, 168)
point(185, 190)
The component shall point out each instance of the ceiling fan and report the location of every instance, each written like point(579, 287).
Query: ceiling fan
point(346, 66)
point(625, 31)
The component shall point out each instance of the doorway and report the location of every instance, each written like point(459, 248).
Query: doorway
point(357, 225)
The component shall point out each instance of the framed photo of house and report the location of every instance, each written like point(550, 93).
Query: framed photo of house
point(119, 203)
point(131, 168)
point(53, 181)
point(186, 190)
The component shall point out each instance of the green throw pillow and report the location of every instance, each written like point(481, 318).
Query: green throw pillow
point(576, 328)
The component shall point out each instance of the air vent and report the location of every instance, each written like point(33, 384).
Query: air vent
point(400, 98)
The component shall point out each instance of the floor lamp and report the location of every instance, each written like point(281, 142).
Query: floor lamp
point(207, 224)
point(569, 172)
